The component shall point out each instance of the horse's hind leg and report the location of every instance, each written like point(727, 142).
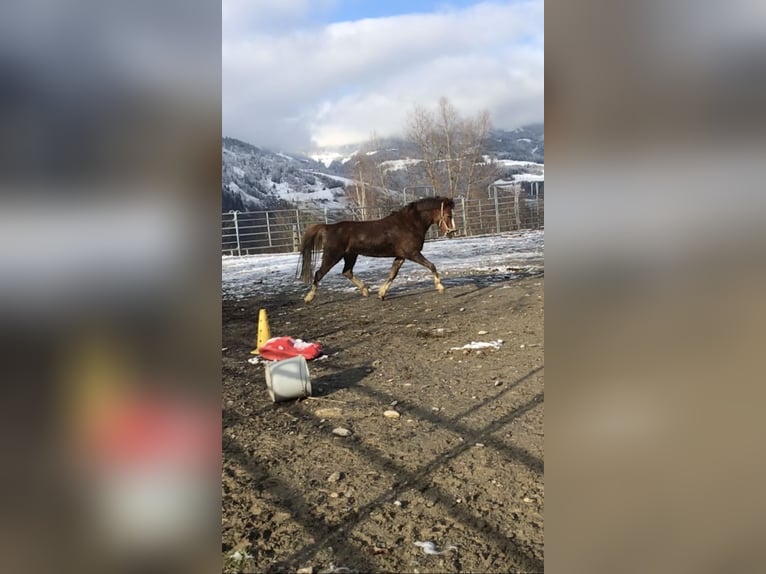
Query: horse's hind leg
point(418, 258)
point(329, 260)
point(348, 271)
point(391, 276)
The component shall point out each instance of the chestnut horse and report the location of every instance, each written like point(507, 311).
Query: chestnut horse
point(399, 235)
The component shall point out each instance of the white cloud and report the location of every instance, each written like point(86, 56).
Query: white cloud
point(287, 85)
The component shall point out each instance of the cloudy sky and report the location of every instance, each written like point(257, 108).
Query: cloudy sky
point(299, 74)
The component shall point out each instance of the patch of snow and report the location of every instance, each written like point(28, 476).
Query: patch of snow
point(238, 170)
point(338, 178)
point(480, 345)
point(514, 162)
point(397, 164)
point(328, 157)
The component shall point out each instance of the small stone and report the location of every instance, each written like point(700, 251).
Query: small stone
point(479, 444)
point(305, 570)
point(522, 346)
point(435, 409)
point(462, 308)
point(527, 499)
point(340, 431)
point(498, 383)
point(376, 363)
point(392, 414)
point(334, 495)
point(335, 477)
point(394, 403)
point(482, 332)
point(397, 502)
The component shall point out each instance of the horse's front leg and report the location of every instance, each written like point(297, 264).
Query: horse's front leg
point(418, 258)
point(391, 276)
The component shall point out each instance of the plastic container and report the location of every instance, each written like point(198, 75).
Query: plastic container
point(289, 379)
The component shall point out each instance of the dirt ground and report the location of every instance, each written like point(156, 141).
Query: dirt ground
point(462, 466)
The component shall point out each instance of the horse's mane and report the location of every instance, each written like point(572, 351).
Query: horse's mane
point(427, 204)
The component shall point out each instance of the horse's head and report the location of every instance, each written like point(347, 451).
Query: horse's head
point(442, 216)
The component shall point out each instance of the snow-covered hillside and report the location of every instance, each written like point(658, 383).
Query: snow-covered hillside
point(254, 178)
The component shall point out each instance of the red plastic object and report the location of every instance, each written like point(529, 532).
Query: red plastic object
point(280, 348)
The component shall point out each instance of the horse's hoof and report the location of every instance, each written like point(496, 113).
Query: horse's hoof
point(365, 292)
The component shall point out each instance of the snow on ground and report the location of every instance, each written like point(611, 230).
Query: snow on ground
point(489, 256)
point(473, 345)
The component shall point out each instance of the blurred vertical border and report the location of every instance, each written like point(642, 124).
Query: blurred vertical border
point(110, 126)
point(655, 273)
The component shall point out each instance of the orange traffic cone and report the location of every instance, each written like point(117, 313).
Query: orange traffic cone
point(264, 333)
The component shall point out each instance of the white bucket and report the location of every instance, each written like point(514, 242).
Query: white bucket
point(288, 379)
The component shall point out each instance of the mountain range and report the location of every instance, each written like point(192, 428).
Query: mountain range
point(255, 178)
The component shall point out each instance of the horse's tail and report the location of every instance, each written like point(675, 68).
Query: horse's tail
point(310, 245)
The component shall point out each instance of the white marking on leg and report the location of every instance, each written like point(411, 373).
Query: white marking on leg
point(384, 289)
point(359, 283)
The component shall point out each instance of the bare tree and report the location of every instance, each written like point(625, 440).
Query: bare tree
point(452, 148)
point(478, 171)
point(370, 175)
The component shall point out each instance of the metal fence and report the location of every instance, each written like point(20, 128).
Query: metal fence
point(280, 231)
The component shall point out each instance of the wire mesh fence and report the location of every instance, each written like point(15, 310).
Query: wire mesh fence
point(280, 231)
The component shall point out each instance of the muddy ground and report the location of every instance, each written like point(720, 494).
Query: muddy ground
point(462, 466)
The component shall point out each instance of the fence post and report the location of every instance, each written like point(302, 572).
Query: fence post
point(497, 213)
point(236, 230)
point(516, 192)
point(465, 218)
point(298, 221)
point(268, 229)
point(325, 215)
point(296, 238)
point(481, 218)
